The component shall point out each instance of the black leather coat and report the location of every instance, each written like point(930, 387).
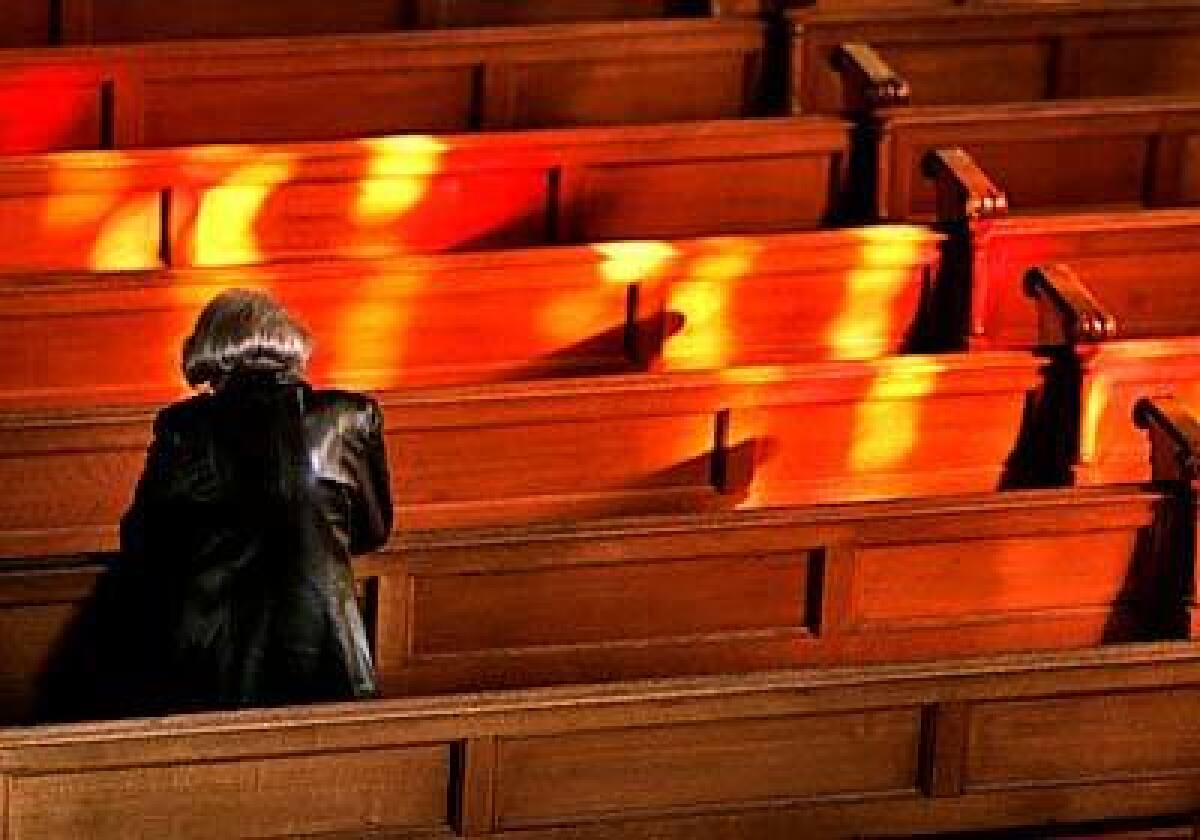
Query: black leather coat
point(234, 585)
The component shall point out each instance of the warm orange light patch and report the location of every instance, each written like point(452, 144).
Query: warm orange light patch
point(864, 325)
point(372, 332)
point(397, 177)
point(224, 231)
point(704, 299)
point(887, 421)
point(633, 262)
point(1095, 400)
point(129, 237)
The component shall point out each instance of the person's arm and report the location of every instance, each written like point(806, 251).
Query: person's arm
point(371, 516)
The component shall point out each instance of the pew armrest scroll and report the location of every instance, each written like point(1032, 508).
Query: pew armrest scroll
point(1068, 312)
point(874, 83)
point(964, 191)
point(1174, 438)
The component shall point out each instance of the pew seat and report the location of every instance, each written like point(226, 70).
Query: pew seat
point(394, 196)
point(343, 86)
point(1002, 742)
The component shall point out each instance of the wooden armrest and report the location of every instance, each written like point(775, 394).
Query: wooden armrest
point(876, 84)
point(1068, 312)
point(964, 191)
point(1174, 438)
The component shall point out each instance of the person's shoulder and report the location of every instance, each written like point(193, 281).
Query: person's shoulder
point(183, 417)
point(350, 407)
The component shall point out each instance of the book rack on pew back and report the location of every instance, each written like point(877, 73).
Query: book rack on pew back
point(229, 205)
point(680, 304)
point(343, 86)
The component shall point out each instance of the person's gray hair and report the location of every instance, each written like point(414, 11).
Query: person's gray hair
point(242, 331)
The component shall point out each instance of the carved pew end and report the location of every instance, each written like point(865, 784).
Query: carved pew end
point(1068, 312)
point(871, 81)
point(964, 190)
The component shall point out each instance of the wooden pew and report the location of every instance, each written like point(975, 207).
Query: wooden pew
point(229, 205)
point(342, 86)
point(1139, 260)
point(504, 316)
point(587, 448)
point(98, 21)
point(1053, 157)
point(34, 23)
point(734, 592)
point(856, 59)
point(1123, 342)
point(1031, 740)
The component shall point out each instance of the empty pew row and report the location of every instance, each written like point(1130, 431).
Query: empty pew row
point(735, 592)
point(43, 22)
point(856, 59)
point(230, 205)
point(93, 339)
point(1049, 157)
point(329, 87)
point(593, 447)
point(1029, 740)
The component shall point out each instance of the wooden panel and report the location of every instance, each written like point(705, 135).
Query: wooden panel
point(1130, 261)
point(477, 473)
point(1115, 376)
point(154, 20)
point(314, 105)
point(906, 427)
point(286, 215)
point(594, 774)
point(1106, 154)
point(748, 196)
point(1135, 735)
point(1042, 175)
point(422, 193)
point(651, 601)
point(982, 72)
point(25, 23)
point(392, 787)
point(1154, 62)
point(990, 53)
point(50, 106)
point(624, 92)
point(947, 582)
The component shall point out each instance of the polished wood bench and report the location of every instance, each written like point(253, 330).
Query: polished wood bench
point(730, 592)
point(342, 86)
point(1123, 343)
point(503, 316)
point(1102, 154)
point(1030, 740)
point(44, 22)
point(593, 447)
point(1141, 259)
point(856, 59)
point(223, 205)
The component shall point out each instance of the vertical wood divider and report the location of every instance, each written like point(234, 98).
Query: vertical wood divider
point(945, 733)
point(478, 767)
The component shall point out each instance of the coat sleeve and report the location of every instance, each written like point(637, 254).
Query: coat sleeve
point(371, 522)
